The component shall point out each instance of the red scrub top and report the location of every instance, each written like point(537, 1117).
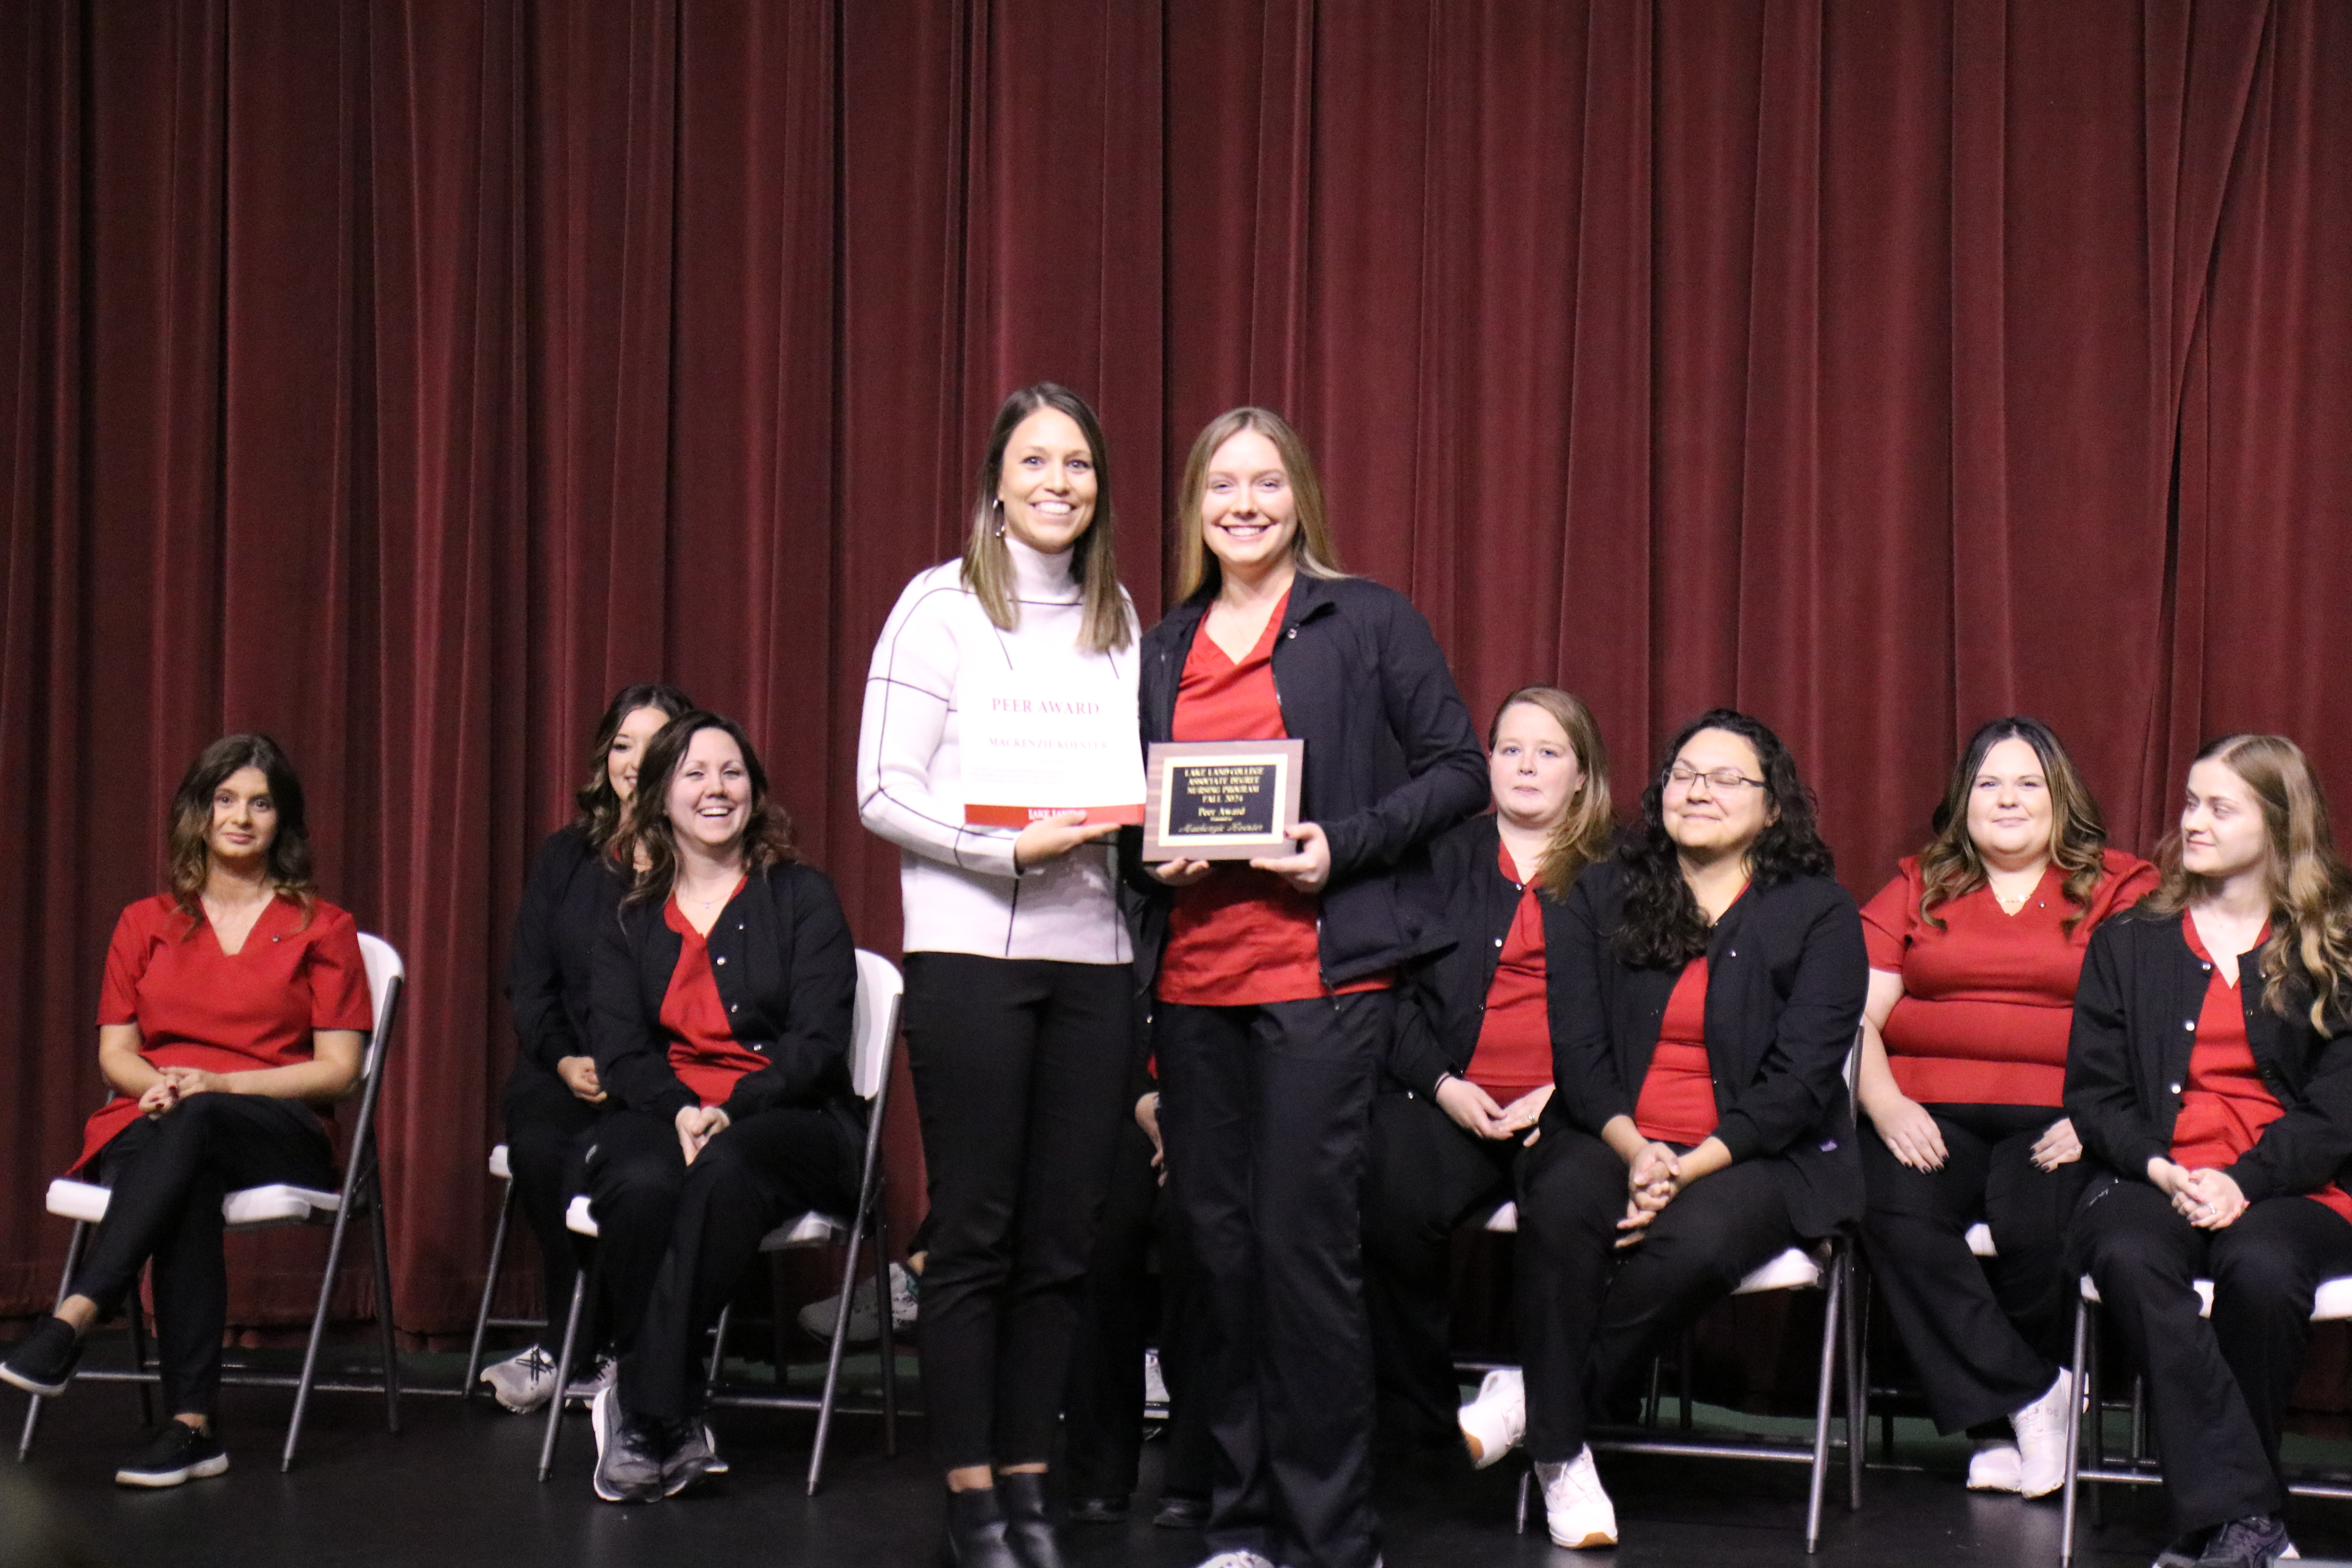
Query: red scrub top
point(2226, 1105)
point(1513, 1055)
point(197, 1006)
point(1240, 937)
point(1678, 1100)
point(1989, 1000)
point(703, 1050)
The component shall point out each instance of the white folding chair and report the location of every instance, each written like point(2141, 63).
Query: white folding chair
point(1825, 1265)
point(2331, 1304)
point(269, 1207)
point(874, 1032)
point(502, 1172)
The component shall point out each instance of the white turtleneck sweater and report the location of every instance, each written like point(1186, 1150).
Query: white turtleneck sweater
point(957, 887)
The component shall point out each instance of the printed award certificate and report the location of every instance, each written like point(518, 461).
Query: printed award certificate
point(1222, 800)
point(1038, 742)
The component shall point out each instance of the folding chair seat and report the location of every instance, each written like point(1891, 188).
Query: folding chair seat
point(874, 1030)
point(359, 1195)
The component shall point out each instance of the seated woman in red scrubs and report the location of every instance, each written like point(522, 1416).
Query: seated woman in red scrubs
point(1975, 947)
point(720, 1012)
point(230, 1019)
point(2210, 1079)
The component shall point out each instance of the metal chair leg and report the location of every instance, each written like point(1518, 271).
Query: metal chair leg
point(881, 1228)
point(318, 1336)
point(1826, 1386)
point(1527, 1485)
point(65, 1283)
point(579, 1282)
point(489, 1287)
point(2098, 1420)
point(2075, 1436)
point(1857, 1385)
point(387, 1330)
point(832, 1357)
point(135, 1317)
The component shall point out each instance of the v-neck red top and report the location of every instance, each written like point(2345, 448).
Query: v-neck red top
point(1676, 1104)
point(1513, 1055)
point(221, 1012)
point(2226, 1105)
point(1240, 937)
point(1989, 999)
point(703, 1050)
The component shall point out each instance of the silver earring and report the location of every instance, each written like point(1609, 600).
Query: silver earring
point(999, 504)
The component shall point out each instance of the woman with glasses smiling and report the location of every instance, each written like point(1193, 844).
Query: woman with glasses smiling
point(1708, 985)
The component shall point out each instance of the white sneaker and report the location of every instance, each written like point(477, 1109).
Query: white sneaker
point(1237, 1560)
point(865, 1321)
point(602, 1376)
point(1576, 1507)
point(2040, 1429)
point(1494, 1423)
point(522, 1383)
point(1995, 1468)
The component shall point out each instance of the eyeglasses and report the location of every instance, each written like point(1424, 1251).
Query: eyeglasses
point(1722, 781)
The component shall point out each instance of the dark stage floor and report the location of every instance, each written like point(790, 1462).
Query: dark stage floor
point(456, 1487)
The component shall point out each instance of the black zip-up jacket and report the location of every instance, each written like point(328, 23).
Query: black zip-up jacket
point(2127, 1060)
point(786, 971)
point(567, 902)
point(1441, 1002)
point(1392, 760)
point(1786, 975)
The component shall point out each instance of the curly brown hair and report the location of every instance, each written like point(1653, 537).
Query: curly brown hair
point(651, 843)
point(600, 806)
point(1950, 865)
point(187, 851)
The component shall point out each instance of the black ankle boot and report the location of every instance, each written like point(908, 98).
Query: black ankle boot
point(976, 1533)
point(1025, 1524)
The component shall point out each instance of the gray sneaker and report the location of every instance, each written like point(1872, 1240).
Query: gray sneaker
point(627, 1471)
point(695, 1458)
point(2255, 1541)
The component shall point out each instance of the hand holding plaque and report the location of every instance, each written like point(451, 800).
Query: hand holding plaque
point(1222, 800)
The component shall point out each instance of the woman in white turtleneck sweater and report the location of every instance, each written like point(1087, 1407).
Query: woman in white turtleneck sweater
point(1019, 981)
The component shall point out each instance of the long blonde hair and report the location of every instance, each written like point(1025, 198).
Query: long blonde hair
point(1310, 546)
point(1589, 823)
point(2309, 886)
point(1105, 625)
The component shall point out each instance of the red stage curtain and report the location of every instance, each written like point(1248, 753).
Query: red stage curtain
point(400, 377)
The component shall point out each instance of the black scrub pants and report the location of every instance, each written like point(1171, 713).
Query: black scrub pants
point(1021, 1070)
point(1987, 1336)
point(548, 1130)
point(1106, 1400)
point(2218, 1388)
point(1591, 1316)
point(169, 1175)
point(1428, 1174)
point(675, 1238)
point(1265, 1111)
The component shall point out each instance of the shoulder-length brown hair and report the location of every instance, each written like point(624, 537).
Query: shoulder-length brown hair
point(2310, 887)
point(1310, 546)
point(600, 804)
point(651, 843)
point(1950, 866)
point(1585, 833)
point(286, 863)
point(1107, 625)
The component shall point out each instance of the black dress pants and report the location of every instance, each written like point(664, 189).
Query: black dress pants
point(1428, 1174)
point(169, 1175)
point(1265, 1111)
point(1591, 1316)
point(1020, 1070)
point(1986, 1335)
point(1104, 1426)
point(548, 1133)
point(676, 1238)
point(2217, 1389)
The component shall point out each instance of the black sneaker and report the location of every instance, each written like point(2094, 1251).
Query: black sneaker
point(693, 1455)
point(179, 1454)
point(43, 1361)
point(2254, 1542)
point(2184, 1551)
point(627, 1470)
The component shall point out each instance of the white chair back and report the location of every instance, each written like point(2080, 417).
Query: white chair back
point(386, 974)
point(873, 1022)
